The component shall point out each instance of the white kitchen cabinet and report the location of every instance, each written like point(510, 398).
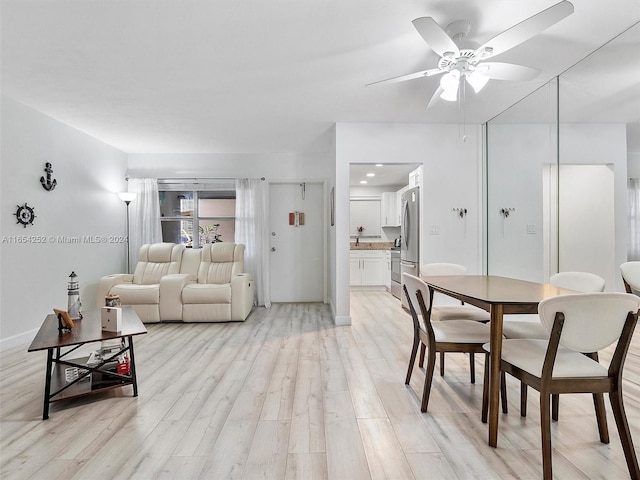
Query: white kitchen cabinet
point(389, 210)
point(415, 177)
point(367, 267)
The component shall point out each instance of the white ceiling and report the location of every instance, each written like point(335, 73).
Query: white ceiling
point(268, 76)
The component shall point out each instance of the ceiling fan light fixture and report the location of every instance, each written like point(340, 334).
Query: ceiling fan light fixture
point(449, 95)
point(450, 80)
point(477, 80)
point(449, 84)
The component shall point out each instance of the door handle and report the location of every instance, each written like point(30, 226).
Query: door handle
point(273, 249)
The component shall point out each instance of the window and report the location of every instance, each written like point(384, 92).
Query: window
point(197, 213)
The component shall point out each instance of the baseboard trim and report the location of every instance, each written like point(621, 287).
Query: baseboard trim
point(342, 321)
point(17, 340)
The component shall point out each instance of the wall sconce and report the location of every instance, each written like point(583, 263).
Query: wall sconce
point(506, 211)
point(461, 212)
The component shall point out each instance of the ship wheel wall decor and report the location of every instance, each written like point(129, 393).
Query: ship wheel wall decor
point(25, 215)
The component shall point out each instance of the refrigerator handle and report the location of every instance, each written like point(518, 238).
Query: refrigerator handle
point(406, 225)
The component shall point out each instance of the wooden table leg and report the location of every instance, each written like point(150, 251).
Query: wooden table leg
point(494, 377)
point(47, 384)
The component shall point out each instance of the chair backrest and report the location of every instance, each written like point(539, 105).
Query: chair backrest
point(442, 269)
point(156, 260)
point(220, 261)
point(584, 282)
point(413, 284)
point(631, 275)
point(593, 321)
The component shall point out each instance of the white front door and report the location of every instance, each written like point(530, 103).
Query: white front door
point(297, 252)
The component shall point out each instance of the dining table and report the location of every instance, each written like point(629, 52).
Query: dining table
point(498, 296)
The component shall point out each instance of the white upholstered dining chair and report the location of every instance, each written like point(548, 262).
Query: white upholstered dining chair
point(631, 276)
point(450, 336)
point(529, 326)
point(452, 312)
point(577, 323)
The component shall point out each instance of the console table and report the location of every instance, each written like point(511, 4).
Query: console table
point(93, 378)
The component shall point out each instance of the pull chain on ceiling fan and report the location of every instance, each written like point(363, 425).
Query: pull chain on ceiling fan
point(458, 64)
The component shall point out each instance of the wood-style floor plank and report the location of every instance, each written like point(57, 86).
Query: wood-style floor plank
point(287, 395)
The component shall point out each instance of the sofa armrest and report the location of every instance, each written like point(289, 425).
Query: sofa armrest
point(242, 292)
point(171, 294)
point(107, 282)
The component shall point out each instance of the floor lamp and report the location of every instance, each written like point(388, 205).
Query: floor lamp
point(127, 198)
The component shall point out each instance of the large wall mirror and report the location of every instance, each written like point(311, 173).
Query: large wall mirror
point(557, 171)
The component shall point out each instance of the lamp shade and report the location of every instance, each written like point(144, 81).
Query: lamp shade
point(477, 81)
point(449, 84)
point(127, 196)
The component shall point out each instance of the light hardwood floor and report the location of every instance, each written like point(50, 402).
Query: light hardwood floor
point(287, 395)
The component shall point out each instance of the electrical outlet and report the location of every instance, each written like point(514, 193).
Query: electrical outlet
point(434, 230)
point(531, 229)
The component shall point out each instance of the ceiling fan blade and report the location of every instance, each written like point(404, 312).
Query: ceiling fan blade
point(525, 30)
point(507, 71)
point(411, 76)
point(435, 36)
point(435, 98)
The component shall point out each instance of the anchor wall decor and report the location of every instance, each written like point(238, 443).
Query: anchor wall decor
point(47, 183)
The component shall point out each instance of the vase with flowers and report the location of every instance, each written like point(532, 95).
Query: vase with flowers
point(360, 230)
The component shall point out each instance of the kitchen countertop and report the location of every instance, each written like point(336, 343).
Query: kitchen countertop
point(371, 246)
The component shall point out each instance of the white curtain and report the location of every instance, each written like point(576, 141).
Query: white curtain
point(633, 252)
point(144, 216)
point(252, 213)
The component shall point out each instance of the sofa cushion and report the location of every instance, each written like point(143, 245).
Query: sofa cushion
point(131, 294)
point(219, 262)
point(206, 293)
point(157, 260)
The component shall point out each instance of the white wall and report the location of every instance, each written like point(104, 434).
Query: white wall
point(452, 179)
point(516, 155)
point(34, 276)
point(601, 144)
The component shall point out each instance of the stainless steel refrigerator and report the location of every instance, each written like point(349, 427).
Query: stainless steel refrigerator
point(410, 235)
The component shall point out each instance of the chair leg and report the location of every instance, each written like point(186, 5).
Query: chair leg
point(472, 367)
point(442, 364)
point(555, 406)
point(503, 392)
point(523, 399)
point(625, 435)
point(485, 390)
point(428, 378)
point(601, 417)
point(545, 427)
point(421, 361)
point(412, 359)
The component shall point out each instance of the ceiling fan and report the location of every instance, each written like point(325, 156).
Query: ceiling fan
point(458, 63)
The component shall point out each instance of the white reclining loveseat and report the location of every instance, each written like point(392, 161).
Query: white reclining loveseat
point(174, 283)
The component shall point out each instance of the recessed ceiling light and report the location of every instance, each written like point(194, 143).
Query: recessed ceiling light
point(371, 174)
point(363, 181)
point(378, 165)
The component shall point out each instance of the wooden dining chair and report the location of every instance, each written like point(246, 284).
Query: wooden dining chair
point(576, 323)
point(529, 326)
point(452, 312)
point(451, 336)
